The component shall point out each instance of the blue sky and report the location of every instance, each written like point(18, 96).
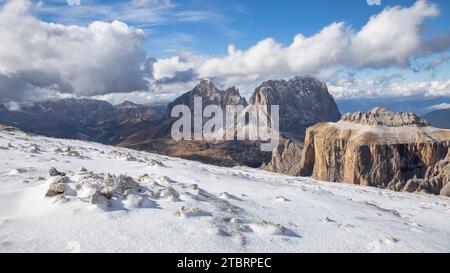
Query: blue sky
point(164, 47)
point(217, 23)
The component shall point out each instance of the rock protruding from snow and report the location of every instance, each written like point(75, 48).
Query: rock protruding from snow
point(57, 186)
point(267, 228)
point(112, 184)
point(97, 189)
point(188, 212)
point(100, 199)
point(54, 172)
point(384, 117)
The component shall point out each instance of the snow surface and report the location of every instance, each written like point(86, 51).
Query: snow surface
point(392, 135)
point(185, 206)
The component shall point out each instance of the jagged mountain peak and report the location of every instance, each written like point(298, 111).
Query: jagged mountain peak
point(205, 88)
point(210, 94)
point(232, 96)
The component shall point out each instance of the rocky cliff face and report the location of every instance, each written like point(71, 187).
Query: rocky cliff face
point(383, 149)
point(303, 101)
point(287, 160)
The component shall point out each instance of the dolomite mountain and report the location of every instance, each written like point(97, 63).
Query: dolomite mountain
point(398, 151)
point(223, 153)
point(303, 101)
point(210, 95)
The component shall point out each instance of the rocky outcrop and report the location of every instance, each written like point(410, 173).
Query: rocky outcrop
point(57, 186)
point(286, 162)
point(303, 101)
point(384, 117)
point(398, 151)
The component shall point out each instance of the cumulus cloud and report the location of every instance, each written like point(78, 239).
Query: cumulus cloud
point(389, 39)
point(40, 57)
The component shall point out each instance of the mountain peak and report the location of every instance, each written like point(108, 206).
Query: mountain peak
point(303, 101)
point(206, 81)
point(127, 104)
point(205, 88)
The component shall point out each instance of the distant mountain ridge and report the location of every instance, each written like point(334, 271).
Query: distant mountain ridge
point(79, 118)
point(439, 118)
point(417, 104)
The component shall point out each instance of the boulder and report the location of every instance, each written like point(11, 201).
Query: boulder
point(57, 187)
point(54, 172)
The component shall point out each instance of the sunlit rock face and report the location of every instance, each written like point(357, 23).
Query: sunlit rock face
point(380, 148)
point(303, 101)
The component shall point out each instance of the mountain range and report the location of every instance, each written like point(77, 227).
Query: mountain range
point(87, 119)
point(395, 150)
point(418, 104)
point(304, 101)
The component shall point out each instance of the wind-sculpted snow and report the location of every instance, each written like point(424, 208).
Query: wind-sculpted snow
point(65, 195)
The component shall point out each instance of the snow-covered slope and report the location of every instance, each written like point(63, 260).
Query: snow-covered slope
point(230, 210)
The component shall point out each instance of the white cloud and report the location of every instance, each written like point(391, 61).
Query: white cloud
point(349, 88)
point(437, 62)
point(35, 56)
point(374, 2)
point(141, 13)
point(440, 106)
point(142, 3)
point(73, 2)
point(13, 106)
point(40, 59)
point(389, 39)
point(168, 67)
